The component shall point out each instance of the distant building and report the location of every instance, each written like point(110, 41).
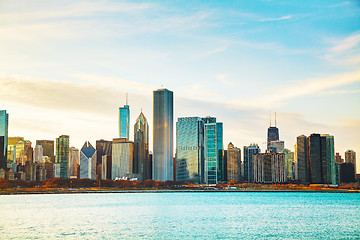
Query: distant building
point(103, 148)
point(190, 149)
point(233, 162)
point(124, 122)
point(106, 166)
point(162, 135)
point(338, 159)
point(24, 152)
point(269, 168)
point(38, 154)
point(62, 155)
point(289, 161)
point(277, 145)
point(249, 151)
point(347, 173)
point(4, 126)
point(141, 148)
point(350, 157)
point(87, 161)
point(122, 158)
point(11, 151)
point(48, 148)
point(74, 161)
point(213, 150)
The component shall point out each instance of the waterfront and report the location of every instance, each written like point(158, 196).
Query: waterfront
point(181, 215)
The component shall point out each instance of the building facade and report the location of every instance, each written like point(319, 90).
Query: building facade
point(74, 161)
point(62, 155)
point(106, 166)
point(233, 163)
point(350, 157)
point(48, 148)
point(122, 158)
point(103, 148)
point(4, 126)
point(163, 135)
point(124, 122)
point(289, 161)
point(38, 153)
point(249, 151)
point(269, 168)
point(88, 161)
point(141, 147)
point(190, 149)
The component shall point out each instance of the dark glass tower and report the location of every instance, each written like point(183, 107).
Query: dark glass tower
point(4, 125)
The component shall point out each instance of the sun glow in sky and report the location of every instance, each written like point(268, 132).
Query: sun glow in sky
point(65, 66)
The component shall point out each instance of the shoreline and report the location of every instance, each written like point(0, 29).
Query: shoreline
point(79, 191)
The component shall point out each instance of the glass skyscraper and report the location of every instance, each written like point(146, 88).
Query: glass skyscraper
point(87, 161)
point(249, 151)
point(124, 122)
point(4, 126)
point(62, 155)
point(141, 147)
point(122, 158)
point(163, 135)
point(190, 149)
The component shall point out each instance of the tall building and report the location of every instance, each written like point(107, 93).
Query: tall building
point(24, 152)
point(328, 159)
point(141, 147)
point(48, 148)
point(249, 151)
point(301, 164)
point(122, 158)
point(62, 155)
point(106, 166)
point(289, 161)
point(269, 168)
point(74, 161)
point(38, 154)
point(350, 157)
point(213, 150)
point(233, 162)
point(277, 146)
point(338, 159)
point(87, 161)
point(4, 126)
point(190, 149)
point(124, 121)
point(163, 135)
point(347, 172)
point(103, 148)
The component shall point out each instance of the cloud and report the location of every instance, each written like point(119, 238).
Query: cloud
point(345, 51)
point(223, 78)
point(276, 19)
point(346, 44)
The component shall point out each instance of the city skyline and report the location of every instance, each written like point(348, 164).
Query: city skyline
point(230, 61)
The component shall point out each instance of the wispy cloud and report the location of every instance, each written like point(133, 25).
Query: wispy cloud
point(345, 51)
point(224, 79)
point(276, 19)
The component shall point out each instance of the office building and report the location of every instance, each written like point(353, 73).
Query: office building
point(106, 166)
point(141, 163)
point(4, 126)
point(23, 152)
point(301, 164)
point(103, 148)
point(38, 154)
point(122, 158)
point(163, 135)
point(338, 159)
point(48, 148)
point(269, 168)
point(233, 163)
point(190, 149)
point(124, 121)
point(328, 159)
point(87, 161)
point(289, 162)
point(249, 151)
point(11, 151)
point(62, 156)
point(350, 157)
point(347, 173)
point(74, 161)
point(277, 146)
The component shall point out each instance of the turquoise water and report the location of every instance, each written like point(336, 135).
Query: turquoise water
point(181, 216)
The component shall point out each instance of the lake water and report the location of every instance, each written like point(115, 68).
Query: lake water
point(191, 215)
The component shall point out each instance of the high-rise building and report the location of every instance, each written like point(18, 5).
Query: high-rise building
point(122, 158)
point(106, 166)
point(124, 121)
point(48, 148)
point(350, 157)
point(328, 159)
point(213, 150)
point(38, 153)
point(269, 168)
point(87, 161)
point(103, 148)
point(190, 149)
point(24, 152)
point(163, 135)
point(4, 126)
point(289, 161)
point(301, 164)
point(141, 148)
point(11, 151)
point(338, 159)
point(249, 151)
point(347, 172)
point(233, 163)
point(277, 146)
point(62, 155)
point(74, 161)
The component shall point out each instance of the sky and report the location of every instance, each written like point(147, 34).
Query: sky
point(66, 66)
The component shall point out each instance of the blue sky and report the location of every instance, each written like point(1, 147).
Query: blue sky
point(65, 66)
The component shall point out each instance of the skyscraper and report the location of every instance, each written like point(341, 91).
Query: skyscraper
point(269, 168)
point(124, 121)
point(289, 161)
point(141, 147)
point(233, 160)
point(38, 153)
point(122, 158)
point(163, 135)
point(190, 149)
point(350, 157)
point(249, 151)
point(87, 161)
point(103, 148)
point(4, 126)
point(48, 148)
point(328, 159)
point(62, 155)
point(273, 134)
point(74, 161)
point(301, 164)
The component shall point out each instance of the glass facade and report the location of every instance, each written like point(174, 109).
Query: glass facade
point(48, 146)
point(62, 155)
point(249, 151)
point(4, 126)
point(289, 161)
point(124, 122)
point(103, 148)
point(273, 135)
point(87, 161)
point(233, 162)
point(141, 147)
point(190, 149)
point(163, 135)
point(122, 158)
point(74, 161)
